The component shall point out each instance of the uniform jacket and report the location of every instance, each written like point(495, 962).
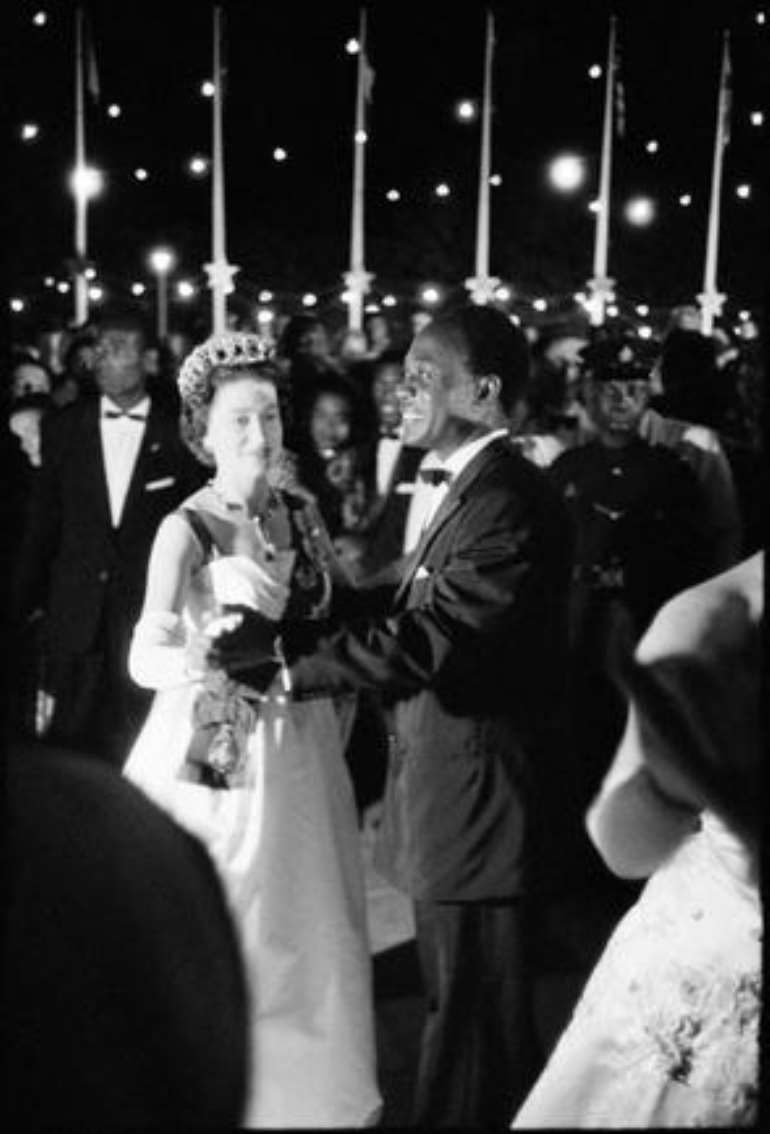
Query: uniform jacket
point(467, 651)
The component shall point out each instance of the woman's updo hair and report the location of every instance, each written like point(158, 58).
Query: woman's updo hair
point(220, 359)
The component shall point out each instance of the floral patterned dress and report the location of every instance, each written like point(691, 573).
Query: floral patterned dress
point(268, 792)
point(666, 1032)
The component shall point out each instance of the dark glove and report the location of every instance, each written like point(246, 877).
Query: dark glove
point(252, 645)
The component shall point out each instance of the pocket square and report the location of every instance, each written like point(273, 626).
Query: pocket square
point(422, 572)
point(163, 482)
point(405, 488)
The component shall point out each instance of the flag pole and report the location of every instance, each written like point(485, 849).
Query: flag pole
point(601, 285)
point(482, 285)
point(220, 273)
point(79, 186)
point(357, 279)
point(710, 299)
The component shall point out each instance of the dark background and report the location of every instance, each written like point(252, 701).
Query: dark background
point(291, 83)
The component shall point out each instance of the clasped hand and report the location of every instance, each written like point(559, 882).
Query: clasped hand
point(242, 640)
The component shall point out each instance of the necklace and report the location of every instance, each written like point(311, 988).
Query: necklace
point(258, 521)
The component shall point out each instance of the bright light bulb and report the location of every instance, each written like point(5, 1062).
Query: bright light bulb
point(161, 260)
point(138, 289)
point(744, 316)
point(62, 287)
point(495, 180)
point(372, 309)
point(594, 206)
point(96, 293)
point(640, 211)
point(347, 296)
point(685, 199)
point(265, 296)
point(17, 305)
point(393, 195)
point(40, 19)
point(49, 281)
point(87, 182)
point(352, 46)
point(430, 294)
point(642, 309)
point(388, 301)
point(743, 191)
point(29, 131)
point(567, 172)
point(466, 110)
point(442, 189)
point(652, 146)
point(757, 118)
point(612, 310)
point(309, 299)
point(503, 293)
point(141, 174)
point(90, 273)
point(540, 305)
point(185, 290)
point(265, 315)
point(595, 71)
point(114, 110)
point(580, 297)
point(760, 18)
point(198, 165)
point(644, 332)
point(279, 154)
point(360, 136)
point(208, 89)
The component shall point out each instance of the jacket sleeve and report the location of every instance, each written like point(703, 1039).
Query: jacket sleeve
point(474, 594)
point(41, 532)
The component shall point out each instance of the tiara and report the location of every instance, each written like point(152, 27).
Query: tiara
point(235, 348)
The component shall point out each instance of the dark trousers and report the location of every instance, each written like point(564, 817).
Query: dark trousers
point(479, 1053)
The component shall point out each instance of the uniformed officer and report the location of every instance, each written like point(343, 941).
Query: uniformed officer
point(637, 513)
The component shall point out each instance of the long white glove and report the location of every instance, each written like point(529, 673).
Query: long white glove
point(159, 657)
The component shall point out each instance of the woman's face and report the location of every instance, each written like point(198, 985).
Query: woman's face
point(330, 422)
point(244, 433)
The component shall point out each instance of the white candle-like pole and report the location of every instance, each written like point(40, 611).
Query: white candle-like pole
point(482, 285)
point(220, 273)
point(357, 279)
point(710, 299)
point(79, 181)
point(600, 286)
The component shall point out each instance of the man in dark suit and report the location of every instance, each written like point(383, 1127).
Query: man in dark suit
point(466, 649)
point(394, 469)
point(112, 467)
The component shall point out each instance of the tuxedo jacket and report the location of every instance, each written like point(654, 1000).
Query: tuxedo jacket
point(385, 531)
point(73, 563)
point(471, 650)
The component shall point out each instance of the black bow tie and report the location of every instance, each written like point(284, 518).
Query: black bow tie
point(113, 413)
point(390, 434)
point(435, 476)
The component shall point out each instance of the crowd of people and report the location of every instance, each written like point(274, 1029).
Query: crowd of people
point(479, 582)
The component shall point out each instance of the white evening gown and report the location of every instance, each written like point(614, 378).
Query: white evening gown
point(287, 848)
point(666, 1032)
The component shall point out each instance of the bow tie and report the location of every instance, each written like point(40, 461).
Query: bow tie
point(435, 476)
point(390, 434)
point(112, 414)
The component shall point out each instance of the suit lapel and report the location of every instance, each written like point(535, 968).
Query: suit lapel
point(93, 460)
point(150, 440)
point(446, 510)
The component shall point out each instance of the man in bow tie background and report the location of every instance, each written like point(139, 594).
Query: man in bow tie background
point(467, 649)
point(112, 467)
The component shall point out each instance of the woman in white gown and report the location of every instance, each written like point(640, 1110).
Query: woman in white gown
point(260, 779)
point(666, 1032)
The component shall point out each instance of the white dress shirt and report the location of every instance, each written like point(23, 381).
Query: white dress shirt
point(427, 497)
point(121, 440)
point(388, 449)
